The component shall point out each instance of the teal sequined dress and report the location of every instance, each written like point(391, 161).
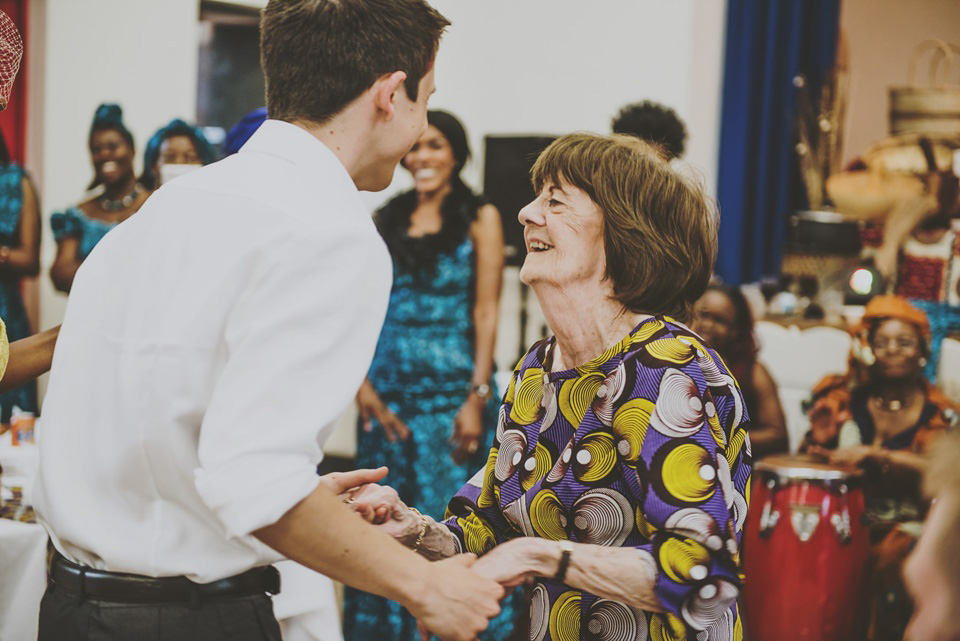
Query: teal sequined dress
point(73, 223)
point(12, 311)
point(422, 368)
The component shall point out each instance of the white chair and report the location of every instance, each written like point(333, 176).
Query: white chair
point(797, 360)
point(948, 376)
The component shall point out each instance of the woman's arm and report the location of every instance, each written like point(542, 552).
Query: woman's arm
point(29, 358)
point(65, 265)
point(24, 259)
point(626, 575)
point(381, 505)
point(768, 428)
point(487, 236)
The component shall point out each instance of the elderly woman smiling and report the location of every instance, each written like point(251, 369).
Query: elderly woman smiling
point(618, 476)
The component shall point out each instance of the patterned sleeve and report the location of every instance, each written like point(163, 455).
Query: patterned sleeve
point(65, 225)
point(474, 514)
point(683, 432)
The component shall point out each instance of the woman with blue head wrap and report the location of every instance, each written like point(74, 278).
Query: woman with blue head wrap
point(172, 150)
point(117, 197)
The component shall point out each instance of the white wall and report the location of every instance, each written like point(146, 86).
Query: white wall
point(505, 67)
point(557, 66)
point(141, 54)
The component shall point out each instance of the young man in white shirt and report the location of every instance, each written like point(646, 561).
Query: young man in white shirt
point(210, 339)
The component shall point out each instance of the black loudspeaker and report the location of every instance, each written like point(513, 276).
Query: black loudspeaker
point(506, 182)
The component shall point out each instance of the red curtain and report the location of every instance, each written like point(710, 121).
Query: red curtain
point(13, 120)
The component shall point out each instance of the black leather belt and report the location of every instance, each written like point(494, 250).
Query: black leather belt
point(119, 587)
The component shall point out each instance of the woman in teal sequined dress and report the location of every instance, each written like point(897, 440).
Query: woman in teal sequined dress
point(78, 229)
point(427, 408)
point(19, 257)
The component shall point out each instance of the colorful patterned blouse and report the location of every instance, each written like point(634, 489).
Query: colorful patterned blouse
point(645, 448)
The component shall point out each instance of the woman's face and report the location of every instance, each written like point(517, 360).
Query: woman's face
point(714, 318)
point(896, 345)
point(430, 161)
point(178, 150)
point(563, 232)
point(112, 157)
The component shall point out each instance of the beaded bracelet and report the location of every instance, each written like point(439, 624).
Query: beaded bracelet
point(423, 529)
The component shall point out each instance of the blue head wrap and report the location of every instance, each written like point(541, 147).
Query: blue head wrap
point(175, 127)
point(242, 131)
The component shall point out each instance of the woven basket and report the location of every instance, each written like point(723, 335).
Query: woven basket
point(931, 109)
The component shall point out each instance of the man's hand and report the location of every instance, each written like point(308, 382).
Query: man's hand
point(346, 484)
point(458, 603)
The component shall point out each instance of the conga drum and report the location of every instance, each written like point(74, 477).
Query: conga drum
point(806, 552)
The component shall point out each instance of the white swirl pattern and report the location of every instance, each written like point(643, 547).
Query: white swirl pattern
point(603, 517)
point(679, 410)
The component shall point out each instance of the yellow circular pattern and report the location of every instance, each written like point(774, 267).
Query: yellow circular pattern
point(565, 617)
point(542, 464)
point(671, 350)
point(548, 516)
point(667, 627)
point(529, 393)
point(603, 457)
point(678, 558)
point(577, 394)
point(683, 473)
point(630, 426)
point(486, 498)
point(477, 535)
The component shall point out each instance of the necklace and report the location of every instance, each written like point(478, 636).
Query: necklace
point(111, 205)
point(891, 406)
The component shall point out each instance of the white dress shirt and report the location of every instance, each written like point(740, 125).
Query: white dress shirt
point(208, 342)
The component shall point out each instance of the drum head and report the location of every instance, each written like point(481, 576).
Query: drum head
point(805, 467)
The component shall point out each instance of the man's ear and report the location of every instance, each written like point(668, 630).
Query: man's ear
point(384, 90)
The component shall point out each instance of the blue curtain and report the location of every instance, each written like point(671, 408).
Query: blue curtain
point(768, 43)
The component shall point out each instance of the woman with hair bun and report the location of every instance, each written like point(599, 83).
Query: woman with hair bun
point(427, 406)
point(78, 229)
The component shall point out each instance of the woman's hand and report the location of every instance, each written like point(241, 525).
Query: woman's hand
point(381, 505)
point(467, 429)
point(512, 563)
point(370, 407)
point(856, 455)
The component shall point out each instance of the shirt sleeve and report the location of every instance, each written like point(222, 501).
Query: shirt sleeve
point(695, 466)
point(299, 341)
point(474, 515)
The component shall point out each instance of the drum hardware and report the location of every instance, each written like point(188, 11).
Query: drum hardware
point(769, 516)
point(804, 519)
point(841, 520)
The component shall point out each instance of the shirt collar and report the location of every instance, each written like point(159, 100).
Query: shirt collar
point(296, 145)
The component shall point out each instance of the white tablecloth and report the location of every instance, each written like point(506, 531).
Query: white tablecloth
point(23, 578)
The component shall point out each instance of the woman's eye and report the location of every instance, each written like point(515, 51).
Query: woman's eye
point(553, 202)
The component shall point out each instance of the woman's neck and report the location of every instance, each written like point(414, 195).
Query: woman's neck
point(121, 188)
point(586, 321)
point(433, 198)
point(900, 390)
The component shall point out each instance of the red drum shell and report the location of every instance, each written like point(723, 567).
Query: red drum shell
point(805, 590)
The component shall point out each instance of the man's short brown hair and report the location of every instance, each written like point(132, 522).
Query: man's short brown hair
point(660, 232)
point(320, 55)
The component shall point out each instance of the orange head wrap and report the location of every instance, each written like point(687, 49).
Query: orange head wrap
point(895, 307)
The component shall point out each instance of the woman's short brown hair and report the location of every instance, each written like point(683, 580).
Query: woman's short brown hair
point(319, 55)
point(659, 229)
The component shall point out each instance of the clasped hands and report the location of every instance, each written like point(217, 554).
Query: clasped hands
point(510, 564)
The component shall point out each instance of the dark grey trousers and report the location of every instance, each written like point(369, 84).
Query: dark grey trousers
point(64, 617)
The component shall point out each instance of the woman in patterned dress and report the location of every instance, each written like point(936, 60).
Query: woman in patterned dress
point(426, 408)
point(620, 469)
